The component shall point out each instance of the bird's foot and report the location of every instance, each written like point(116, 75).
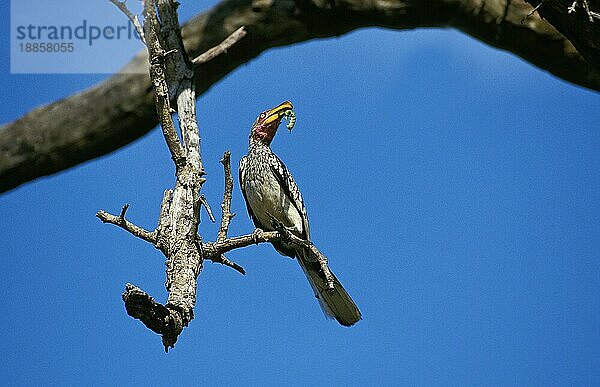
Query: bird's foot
point(256, 235)
point(279, 226)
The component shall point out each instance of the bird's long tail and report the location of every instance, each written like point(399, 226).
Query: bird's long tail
point(335, 302)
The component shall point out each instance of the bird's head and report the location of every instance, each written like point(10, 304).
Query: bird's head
point(266, 124)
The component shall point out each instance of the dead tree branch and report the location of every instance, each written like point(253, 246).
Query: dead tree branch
point(222, 48)
point(176, 234)
point(133, 18)
point(226, 262)
point(121, 109)
point(204, 203)
point(126, 225)
point(226, 214)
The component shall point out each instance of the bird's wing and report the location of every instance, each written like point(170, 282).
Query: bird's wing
point(285, 178)
point(242, 178)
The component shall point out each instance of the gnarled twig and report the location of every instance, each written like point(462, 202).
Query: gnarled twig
point(226, 214)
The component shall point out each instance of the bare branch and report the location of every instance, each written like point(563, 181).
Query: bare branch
point(226, 214)
point(177, 231)
point(534, 10)
point(213, 249)
point(133, 18)
point(222, 48)
point(120, 221)
point(586, 6)
point(224, 261)
point(123, 211)
point(322, 259)
point(161, 89)
point(572, 7)
point(204, 202)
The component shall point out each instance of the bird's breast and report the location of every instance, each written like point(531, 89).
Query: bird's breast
point(265, 196)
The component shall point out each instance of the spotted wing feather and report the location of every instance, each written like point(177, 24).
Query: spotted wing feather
point(285, 178)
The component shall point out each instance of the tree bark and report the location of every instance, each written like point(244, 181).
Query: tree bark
point(121, 109)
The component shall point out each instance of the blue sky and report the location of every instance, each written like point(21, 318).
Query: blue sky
point(453, 187)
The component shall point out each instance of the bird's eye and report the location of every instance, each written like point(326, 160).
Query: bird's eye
point(262, 115)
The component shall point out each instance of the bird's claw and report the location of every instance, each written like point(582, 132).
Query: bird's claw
point(256, 235)
point(287, 232)
point(278, 225)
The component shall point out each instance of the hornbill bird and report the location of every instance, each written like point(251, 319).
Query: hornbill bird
point(271, 194)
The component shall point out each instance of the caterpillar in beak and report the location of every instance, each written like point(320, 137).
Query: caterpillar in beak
point(290, 116)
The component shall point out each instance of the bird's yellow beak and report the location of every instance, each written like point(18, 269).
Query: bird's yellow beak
point(277, 113)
